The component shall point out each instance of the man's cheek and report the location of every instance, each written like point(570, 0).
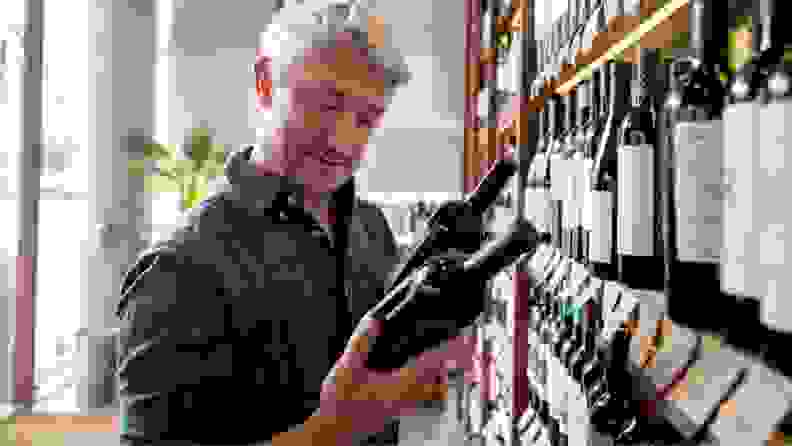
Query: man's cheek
point(311, 120)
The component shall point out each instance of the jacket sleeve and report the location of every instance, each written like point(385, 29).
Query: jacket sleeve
point(173, 335)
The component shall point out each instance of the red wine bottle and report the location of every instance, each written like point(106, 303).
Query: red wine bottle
point(537, 193)
point(579, 166)
point(556, 166)
point(776, 174)
point(693, 188)
point(567, 150)
point(589, 142)
point(604, 176)
point(640, 262)
point(740, 270)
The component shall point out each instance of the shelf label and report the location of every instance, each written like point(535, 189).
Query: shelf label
point(635, 208)
point(698, 190)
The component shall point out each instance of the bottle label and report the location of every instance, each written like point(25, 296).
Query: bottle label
point(600, 242)
point(570, 214)
point(635, 207)
point(698, 190)
point(537, 208)
point(583, 187)
point(558, 178)
point(739, 272)
point(775, 218)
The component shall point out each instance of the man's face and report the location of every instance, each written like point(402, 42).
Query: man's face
point(335, 99)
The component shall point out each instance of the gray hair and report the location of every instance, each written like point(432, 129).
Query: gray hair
point(315, 24)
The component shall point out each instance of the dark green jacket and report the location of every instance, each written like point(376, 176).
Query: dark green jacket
point(231, 323)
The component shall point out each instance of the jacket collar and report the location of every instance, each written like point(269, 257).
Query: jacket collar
point(263, 193)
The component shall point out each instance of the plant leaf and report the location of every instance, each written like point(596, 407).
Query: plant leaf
point(160, 183)
point(156, 151)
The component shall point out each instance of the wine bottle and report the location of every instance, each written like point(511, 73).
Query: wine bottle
point(583, 183)
point(776, 175)
point(693, 188)
point(567, 150)
point(577, 165)
point(591, 131)
point(556, 166)
point(604, 172)
point(537, 200)
point(640, 263)
point(741, 275)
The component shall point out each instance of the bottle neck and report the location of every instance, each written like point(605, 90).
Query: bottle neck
point(708, 32)
point(644, 71)
point(571, 110)
point(604, 81)
point(594, 95)
point(776, 36)
point(584, 104)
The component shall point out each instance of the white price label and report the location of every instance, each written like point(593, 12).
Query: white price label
point(698, 190)
point(776, 218)
point(740, 273)
point(600, 242)
point(635, 208)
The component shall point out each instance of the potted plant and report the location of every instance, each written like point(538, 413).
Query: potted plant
point(188, 172)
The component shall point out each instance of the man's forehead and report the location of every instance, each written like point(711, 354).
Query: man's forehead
point(349, 68)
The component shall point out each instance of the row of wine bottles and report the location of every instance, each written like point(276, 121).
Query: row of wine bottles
point(670, 175)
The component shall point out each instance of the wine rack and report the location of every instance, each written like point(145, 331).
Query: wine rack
point(667, 383)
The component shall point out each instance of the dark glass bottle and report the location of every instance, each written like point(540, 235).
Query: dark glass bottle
point(640, 256)
point(591, 130)
point(615, 99)
point(775, 141)
point(537, 200)
point(587, 154)
point(568, 149)
point(740, 271)
point(693, 185)
point(577, 166)
point(555, 161)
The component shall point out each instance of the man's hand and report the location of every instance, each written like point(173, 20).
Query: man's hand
point(361, 401)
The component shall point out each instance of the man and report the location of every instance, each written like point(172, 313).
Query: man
point(232, 324)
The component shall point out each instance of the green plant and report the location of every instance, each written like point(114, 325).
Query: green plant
point(189, 175)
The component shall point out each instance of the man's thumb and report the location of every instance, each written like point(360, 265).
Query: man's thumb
point(361, 342)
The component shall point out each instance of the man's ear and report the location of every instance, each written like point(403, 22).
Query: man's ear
point(263, 70)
